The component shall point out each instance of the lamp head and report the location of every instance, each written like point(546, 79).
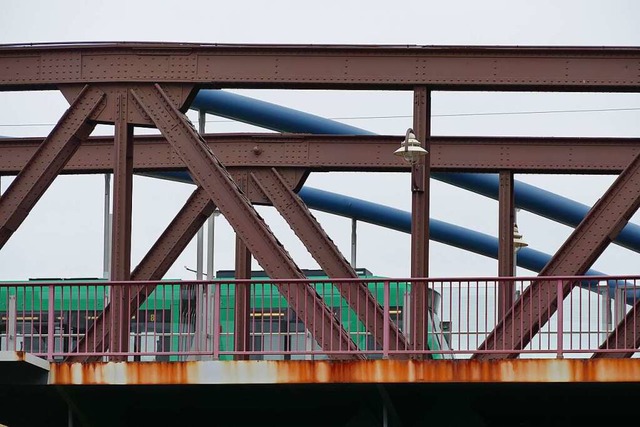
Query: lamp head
point(518, 241)
point(411, 149)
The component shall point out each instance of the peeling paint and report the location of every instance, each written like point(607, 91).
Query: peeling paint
point(368, 371)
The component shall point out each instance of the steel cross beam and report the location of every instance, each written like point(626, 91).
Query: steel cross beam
point(349, 153)
point(49, 158)
point(327, 255)
point(583, 247)
point(153, 266)
point(597, 69)
point(208, 172)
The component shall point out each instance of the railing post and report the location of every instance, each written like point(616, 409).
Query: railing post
point(560, 301)
point(50, 322)
point(217, 327)
point(12, 324)
point(385, 322)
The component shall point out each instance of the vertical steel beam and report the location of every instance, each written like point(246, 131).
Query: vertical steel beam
point(121, 226)
point(326, 254)
point(420, 220)
point(505, 241)
point(207, 171)
point(106, 249)
point(243, 292)
point(153, 266)
point(354, 242)
point(50, 158)
point(583, 247)
point(243, 301)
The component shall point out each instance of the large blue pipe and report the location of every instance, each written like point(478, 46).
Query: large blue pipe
point(283, 119)
point(267, 115)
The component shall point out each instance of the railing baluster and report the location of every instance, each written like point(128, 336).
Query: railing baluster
point(50, 320)
point(217, 329)
point(386, 325)
point(560, 319)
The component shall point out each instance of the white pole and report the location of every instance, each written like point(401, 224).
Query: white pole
point(211, 273)
point(354, 241)
point(200, 254)
point(200, 240)
point(106, 256)
point(200, 325)
point(210, 289)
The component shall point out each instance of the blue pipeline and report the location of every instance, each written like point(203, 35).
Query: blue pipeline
point(283, 119)
point(267, 115)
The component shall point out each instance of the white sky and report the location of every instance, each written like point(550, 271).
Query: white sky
point(62, 237)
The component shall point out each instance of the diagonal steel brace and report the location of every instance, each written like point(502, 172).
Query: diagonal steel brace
point(209, 173)
point(53, 154)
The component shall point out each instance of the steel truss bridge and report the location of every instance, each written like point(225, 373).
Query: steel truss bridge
point(348, 328)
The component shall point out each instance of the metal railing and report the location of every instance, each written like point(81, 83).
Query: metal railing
point(199, 320)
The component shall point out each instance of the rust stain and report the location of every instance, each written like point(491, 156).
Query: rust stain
point(368, 371)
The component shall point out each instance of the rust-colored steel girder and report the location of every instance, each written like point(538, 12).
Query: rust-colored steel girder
point(327, 255)
point(506, 206)
point(420, 317)
point(121, 226)
point(242, 303)
point(49, 158)
point(208, 172)
point(30, 67)
point(583, 247)
point(153, 266)
point(349, 153)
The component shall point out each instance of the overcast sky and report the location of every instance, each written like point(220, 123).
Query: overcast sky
point(62, 237)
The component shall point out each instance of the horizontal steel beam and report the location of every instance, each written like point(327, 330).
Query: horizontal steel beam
point(350, 153)
point(30, 67)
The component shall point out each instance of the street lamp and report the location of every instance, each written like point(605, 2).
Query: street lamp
point(411, 149)
point(518, 243)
